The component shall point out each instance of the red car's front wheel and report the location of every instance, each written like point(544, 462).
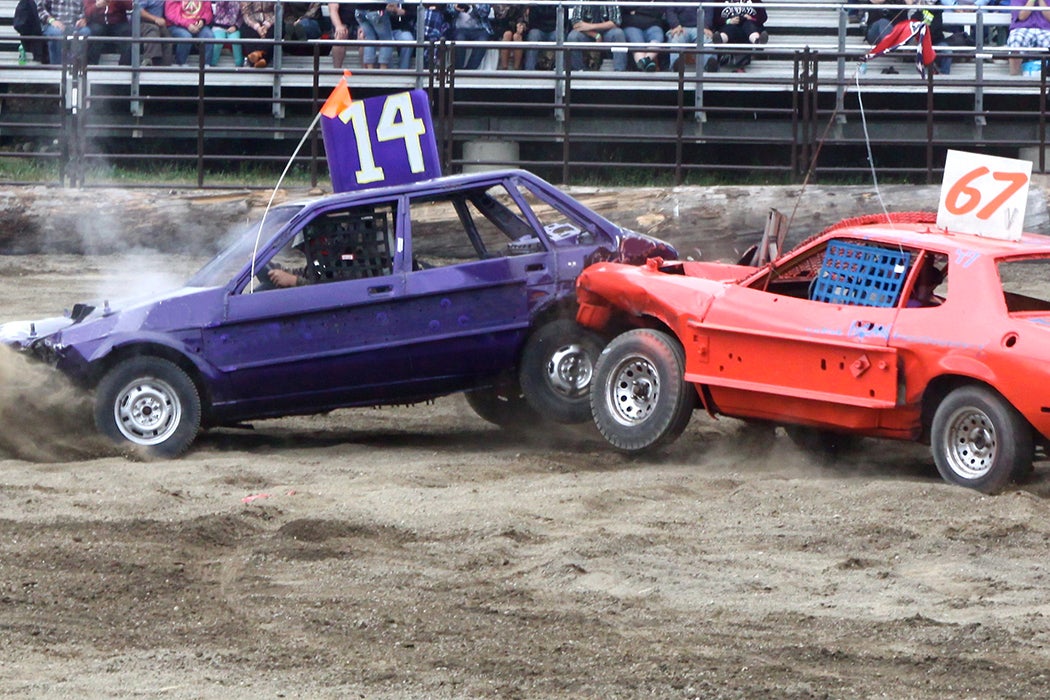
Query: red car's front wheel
point(640, 399)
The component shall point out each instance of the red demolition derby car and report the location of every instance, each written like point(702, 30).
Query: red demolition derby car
point(897, 329)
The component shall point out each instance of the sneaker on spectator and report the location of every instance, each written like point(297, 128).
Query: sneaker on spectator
point(711, 66)
point(763, 37)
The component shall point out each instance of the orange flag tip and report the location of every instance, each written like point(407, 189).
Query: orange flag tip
point(339, 100)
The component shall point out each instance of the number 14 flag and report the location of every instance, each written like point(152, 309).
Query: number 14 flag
point(379, 141)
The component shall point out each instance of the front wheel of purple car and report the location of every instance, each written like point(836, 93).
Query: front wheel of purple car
point(640, 399)
point(149, 403)
point(557, 366)
point(979, 440)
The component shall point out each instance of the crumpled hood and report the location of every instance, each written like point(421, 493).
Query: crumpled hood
point(22, 334)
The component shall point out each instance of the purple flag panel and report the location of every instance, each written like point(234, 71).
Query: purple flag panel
point(380, 141)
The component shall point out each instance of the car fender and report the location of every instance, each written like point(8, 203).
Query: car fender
point(639, 292)
point(186, 348)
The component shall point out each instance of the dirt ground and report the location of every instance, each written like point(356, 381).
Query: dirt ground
point(420, 553)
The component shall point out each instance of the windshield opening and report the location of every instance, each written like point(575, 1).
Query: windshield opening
point(238, 254)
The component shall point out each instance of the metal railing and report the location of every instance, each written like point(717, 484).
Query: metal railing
point(798, 111)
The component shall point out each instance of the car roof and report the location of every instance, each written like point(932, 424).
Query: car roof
point(445, 182)
point(930, 236)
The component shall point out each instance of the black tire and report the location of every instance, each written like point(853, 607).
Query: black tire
point(557, 368)
point(640, 399)
point(979, 440)
point(823, 443)
point(150, 404)
point(502, 407)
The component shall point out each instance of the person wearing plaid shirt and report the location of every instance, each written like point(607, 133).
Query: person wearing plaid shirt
point(59, 19)
point(596, 23)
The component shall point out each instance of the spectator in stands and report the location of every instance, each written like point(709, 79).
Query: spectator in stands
point(154, 25)
point(470, 23)
point(259, 20)
point(1029, 28)
point(187, 19)
point(226, 24)
point(301, 21)
point(59, 19)
point(740, 23)
point(643, 24)
point(435, 28)
point(935, 20)
point(509, 24)
point(597, 23)
point(27, 23)
point(403, 28)
point(541, 25)
point(344, 28)
point(684, 29)
point(879, 20)
point(374, 23)
point(108, 18)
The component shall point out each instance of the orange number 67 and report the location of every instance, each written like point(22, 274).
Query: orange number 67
point(963, 198)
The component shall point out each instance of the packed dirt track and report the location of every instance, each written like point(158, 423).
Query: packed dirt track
point(418, 552)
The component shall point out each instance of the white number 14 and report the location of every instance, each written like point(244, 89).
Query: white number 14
point(397, 121)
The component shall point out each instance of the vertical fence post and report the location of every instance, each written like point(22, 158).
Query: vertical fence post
point(315, 102)
point(679, 122)
point(929, 126)
point(201, 55)
point(1042, 115)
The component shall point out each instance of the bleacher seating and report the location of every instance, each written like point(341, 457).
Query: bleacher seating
point(794, 25)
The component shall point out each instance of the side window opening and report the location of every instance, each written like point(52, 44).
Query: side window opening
point(1024, 284)
point(474, 225)
point(861, 274)
point(561, 226)
point(929, 285)
point(347, 245)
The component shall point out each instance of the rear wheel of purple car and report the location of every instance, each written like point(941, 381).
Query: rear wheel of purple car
point(640, 399)
point(501, 406)
point(557, 366)
point(150, 403)
point(979, 440)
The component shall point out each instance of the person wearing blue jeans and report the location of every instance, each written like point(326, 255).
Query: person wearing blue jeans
point(470, 23)
point(596, 23)
point(403, 27)
point(542, 26)
point(684, 28)
point(374, 23)
point(643, 24)
point(59, 19)
point(301, 21)
point(188, 19)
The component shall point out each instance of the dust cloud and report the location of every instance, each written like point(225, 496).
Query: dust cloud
point(43, 417)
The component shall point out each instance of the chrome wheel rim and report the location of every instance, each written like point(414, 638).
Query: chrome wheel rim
point(634, 390)
point(971, 443)
point(147, 411)
point(569, 371)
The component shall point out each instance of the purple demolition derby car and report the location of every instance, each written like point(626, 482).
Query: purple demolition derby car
point(397, 295)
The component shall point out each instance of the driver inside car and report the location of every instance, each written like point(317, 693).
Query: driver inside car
point(291, 270)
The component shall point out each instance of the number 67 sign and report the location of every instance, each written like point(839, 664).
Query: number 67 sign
point(379, 141)
point(984, 195)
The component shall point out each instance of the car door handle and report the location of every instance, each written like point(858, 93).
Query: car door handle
point(383, 289)
point(535, 267)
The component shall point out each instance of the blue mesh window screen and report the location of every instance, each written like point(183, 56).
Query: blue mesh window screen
point(861, 275)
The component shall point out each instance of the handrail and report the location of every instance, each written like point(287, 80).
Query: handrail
point(561, 97)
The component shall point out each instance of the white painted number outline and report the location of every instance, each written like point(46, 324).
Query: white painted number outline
point(397, 121)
